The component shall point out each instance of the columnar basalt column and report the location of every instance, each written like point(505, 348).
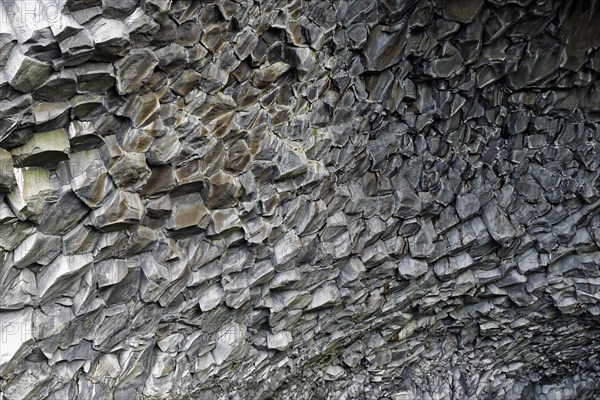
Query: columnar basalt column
point(308, 199)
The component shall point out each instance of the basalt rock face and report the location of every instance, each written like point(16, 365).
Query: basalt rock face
point(390, 199)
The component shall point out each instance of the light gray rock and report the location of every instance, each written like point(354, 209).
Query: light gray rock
point(155, 278)
point(83, 136)
point(7, 175)
point(43, 149)
point(164, 149)
point(8, 38)
point(327, 295)
point(223, 220)
point(409, 204)
point(110, 272)
point(467, 206)
point(35, 188)
point(286, 248)
point(279, 341)
point(17, 335)
point(77, 48)
point(421, 244)
point(110, 38)
point(22, 293)
point(410, 268)
point(60, 274)
point(211, 297)
point(24, 73)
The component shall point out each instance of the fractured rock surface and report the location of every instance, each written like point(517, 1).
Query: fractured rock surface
point(349, 199)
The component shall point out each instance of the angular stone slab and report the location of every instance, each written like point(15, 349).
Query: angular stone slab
point(95, 77)
point(22, 293)
point(34, 186)
point(189, 212)
point(60, 274)
point(325, 296)
point(130, 171)
point(110, 272)
point(77, 49)
point(16, 333)
point(43, 149)
point(8, 39)
point(211, 297)
point(140, 109)
point(222, 191)
point(89, 177)
point(155, 278)
point(134, 69)
point(38, 248)
point(119, 210)
point(7, 174)
point(223, 220)
point(164, 149)
point(408, 203)
point(110, 38)
point(286, 248)
point(51, 115)
point(499, 226)
point(410, 268)
point(60, 86)
point(25, 73)
point(83, 136)
point(463, 11)
point(384, 48)
point(64, 214)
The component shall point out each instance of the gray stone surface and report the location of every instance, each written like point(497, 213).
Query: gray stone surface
point(299, 200)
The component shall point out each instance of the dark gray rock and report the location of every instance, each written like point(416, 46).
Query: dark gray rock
point(467, 206)
point(134, 69)
point(384, 48)
point(450, 64)
point(498, 225)
point(302, 200)
point(24, 73)
point(118, 210)
point(59, 87)
point(408, 203)
point(463, 12)
point(95, 77)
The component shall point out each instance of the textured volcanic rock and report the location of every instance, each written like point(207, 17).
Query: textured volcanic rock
point(349, 199)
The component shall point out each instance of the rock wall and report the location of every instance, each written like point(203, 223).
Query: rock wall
point(349, 199)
